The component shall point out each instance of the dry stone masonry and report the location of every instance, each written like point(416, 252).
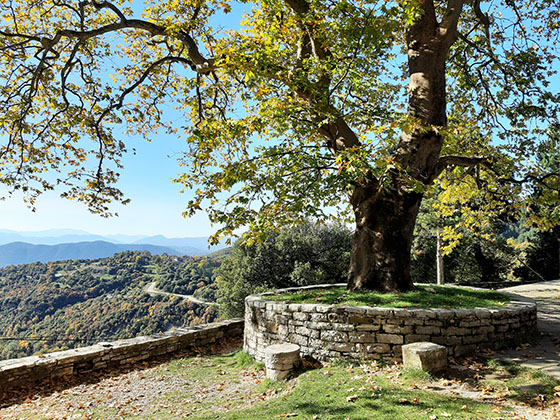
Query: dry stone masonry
point(327, 332)
point(15, 372)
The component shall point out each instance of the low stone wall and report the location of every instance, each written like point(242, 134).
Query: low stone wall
point(327, 332)
point(101, 356)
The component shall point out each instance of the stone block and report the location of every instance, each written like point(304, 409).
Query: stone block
point(280, 360)
point(413, 338)
point(303, 331)
point(456, 331)
point(375, 348)
point(334, 317)
point(361, 337)
point(397, 329)
point(448, 340)
point(433, 323)
point(342, 327)
point(429, 357)
point(390, 338)
point(428, 330)
point(368, 327)
point(336, 336)
point(299, 339)
point(318, 317)
point(469, 323)
point(342, 347)
point(474, 339)
point(300, 316)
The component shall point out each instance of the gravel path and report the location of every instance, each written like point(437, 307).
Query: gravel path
point(546, 354)
point(177, 388)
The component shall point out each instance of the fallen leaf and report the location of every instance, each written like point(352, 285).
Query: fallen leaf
point(352, 398)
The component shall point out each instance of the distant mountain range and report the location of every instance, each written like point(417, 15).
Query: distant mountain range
point(51, 245)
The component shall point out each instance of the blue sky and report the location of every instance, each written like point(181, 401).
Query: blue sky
point(156, 205)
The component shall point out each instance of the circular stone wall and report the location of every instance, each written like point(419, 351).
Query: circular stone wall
point(327, 332)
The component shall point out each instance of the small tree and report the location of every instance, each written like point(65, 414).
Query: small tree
point(348, 99)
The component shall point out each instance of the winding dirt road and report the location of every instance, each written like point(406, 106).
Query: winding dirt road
point(151, 289)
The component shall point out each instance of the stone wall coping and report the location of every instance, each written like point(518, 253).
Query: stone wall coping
point(516, 303)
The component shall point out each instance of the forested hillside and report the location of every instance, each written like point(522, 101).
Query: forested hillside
point(70, 303)
point(190, 276)
point(66, 304)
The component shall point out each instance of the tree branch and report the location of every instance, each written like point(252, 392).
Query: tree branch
point(445, 161)
point(448, 25)
point(201, 64)
point(299, 6)
point(338, 133)
point(482, 18)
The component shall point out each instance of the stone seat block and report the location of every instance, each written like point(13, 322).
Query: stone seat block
point(429, 357)
point(280, 360)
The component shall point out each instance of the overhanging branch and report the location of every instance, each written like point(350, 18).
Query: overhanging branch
point(464, 161)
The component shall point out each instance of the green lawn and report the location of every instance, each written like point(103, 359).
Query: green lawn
point(354, 393)
point(422, 297)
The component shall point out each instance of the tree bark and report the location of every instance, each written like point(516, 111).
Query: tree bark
point(380, 258)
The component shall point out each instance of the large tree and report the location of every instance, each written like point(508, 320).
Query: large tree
point(306, 108)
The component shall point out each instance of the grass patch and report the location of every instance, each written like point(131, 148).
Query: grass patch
point(243, 359)
point(411, 376)
point(352, 392)
point(422, 297)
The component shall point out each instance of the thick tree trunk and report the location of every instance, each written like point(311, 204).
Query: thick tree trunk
point(380, 258)
point(386, 211)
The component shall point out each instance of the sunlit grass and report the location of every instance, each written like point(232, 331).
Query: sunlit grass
point(422, 297)
point(346, 391)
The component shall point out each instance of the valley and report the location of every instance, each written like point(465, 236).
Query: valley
point(71, 303)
